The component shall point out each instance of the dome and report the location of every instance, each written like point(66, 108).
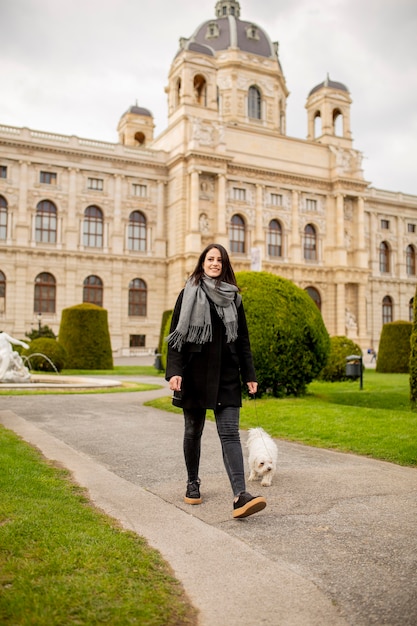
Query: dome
point(332, 84)
point(226, 31)
point(136, 110)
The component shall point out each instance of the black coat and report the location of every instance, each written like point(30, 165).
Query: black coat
point(211, 372)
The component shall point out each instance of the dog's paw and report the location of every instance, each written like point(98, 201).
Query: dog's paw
point(266, 481)
point(252, 475)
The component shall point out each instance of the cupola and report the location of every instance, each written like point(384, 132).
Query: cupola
point(328, 111)
point(136, 127)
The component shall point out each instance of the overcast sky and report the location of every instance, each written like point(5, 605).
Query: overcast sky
point(75, 66)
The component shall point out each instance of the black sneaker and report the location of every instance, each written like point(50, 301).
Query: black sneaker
point(192, 495)
point(247, 505)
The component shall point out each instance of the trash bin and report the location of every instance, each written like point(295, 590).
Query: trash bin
point(158, 362)
point(354, 367)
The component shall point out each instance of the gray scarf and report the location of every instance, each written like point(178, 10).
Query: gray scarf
point(194, 323)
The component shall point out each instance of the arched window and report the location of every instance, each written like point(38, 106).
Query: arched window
point(411, 310)
point(137, 231)
point(387, 310)
point(45, 222)
point(310, 243)
point(93, 290)
point(274, 239)
point(384, 260)
point(140, 138)
point(315, 296)
point(410, 260)
point(178, 93)
point(93, 227)
point(3, 218)
point(45, 293)
point(2, 292)
point(138, 295)
point(254, 103)
point(338, 123)
point(237, 234)
point(200, 89)
point(317, 124)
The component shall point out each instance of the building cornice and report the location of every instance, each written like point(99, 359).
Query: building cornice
point(25, 139)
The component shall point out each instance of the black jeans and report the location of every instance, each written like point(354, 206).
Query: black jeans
point(227, 422)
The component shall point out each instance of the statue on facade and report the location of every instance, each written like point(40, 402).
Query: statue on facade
point(351, 324)
point(12, 368)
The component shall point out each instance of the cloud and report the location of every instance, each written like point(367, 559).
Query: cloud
point(75, 67)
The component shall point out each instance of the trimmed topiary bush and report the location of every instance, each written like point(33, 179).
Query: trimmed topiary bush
point(289, 340)
point(167, 315)
point(165, 331)
point(51, 349)
point(340, 348)
point(413, 357)
point(84, 333)
point(394, 348)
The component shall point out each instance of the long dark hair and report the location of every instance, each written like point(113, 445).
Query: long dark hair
point(227, 275)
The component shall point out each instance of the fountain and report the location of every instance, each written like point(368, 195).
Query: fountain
point(12, 368)
point(15, 375)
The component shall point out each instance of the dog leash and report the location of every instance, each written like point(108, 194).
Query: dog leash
point(257, 421)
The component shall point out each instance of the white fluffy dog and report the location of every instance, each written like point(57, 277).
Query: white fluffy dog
point(263, 455)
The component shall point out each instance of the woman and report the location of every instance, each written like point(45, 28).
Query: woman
point(208, 352)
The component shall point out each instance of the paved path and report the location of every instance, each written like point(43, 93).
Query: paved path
point(336, 545)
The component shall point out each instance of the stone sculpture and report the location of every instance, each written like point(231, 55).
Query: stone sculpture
point(12, 368)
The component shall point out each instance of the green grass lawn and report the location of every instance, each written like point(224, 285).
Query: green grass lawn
point(376, 421)
point(63, 562)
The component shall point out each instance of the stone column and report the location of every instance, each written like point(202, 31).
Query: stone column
point(373, 246)
point(340, 253)
point(116, 244)
point(222, 235)
point(259, 241)
point(194, 200)
point(361, 254)
point(160, 237)
point(23, 223)
point(362, 329)
point(193, 237)
point(71, 231)
point(296, 244)
point(340, 309)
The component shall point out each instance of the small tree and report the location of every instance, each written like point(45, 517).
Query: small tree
point(84, 333)
point(289, 341)
point(48, 355)
point(340, 348)
point(43, 331)
point(413, 357)
point(394, 348)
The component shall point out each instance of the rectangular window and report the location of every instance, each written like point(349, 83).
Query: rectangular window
point(411, 228)
point(276, 199)
point(385, 224)
point(48, 178)
point(311, 205)
point(3, 171)
point(239, 194)
point(137, 341)
point(96, 184)
point(140, 190)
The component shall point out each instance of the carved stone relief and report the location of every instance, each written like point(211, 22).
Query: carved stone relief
point(348, 209)
point(204, 224)
point(207, 187)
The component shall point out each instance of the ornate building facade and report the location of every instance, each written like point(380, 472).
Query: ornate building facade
point(122, 224)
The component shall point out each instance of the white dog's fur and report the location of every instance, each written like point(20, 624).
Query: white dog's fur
point(263, 456)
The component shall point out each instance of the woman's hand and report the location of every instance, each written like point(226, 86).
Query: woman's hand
point(252, 386)
point(175, 383)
